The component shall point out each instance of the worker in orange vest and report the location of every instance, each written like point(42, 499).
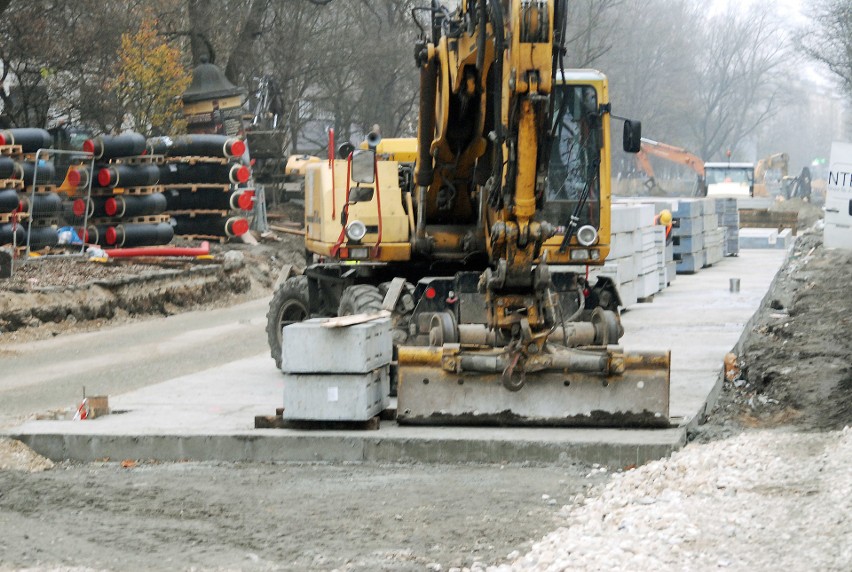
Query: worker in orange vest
point(665, 218)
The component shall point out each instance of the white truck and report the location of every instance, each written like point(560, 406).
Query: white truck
point(729, 179)
point(838, 198)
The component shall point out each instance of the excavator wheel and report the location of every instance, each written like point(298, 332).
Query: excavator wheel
point(289, 304)
point(360, 299)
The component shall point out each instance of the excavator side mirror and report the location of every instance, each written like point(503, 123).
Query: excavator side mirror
point(363, 166)
point(360, 194)
point(632, 136)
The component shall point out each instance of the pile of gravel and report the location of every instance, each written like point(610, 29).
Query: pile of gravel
point(15, 456)
point(759, 501)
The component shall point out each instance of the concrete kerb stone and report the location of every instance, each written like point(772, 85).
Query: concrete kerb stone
point(272, 446)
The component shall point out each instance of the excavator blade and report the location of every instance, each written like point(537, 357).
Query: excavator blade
point(638, 397)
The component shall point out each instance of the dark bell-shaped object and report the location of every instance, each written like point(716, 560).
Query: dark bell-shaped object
point(209, 82)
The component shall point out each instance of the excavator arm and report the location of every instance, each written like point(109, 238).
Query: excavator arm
point(673, 154)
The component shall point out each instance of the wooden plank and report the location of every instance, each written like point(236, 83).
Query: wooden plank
point(285, 230)
point(393, 294)
point(278, 422)
point(343, 321)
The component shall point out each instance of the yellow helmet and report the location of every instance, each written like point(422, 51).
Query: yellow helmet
point(665, 217)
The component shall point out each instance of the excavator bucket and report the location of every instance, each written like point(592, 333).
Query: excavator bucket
point(441, 386)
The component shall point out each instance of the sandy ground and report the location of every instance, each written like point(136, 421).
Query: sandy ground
point(764, 485)
point(277, 517)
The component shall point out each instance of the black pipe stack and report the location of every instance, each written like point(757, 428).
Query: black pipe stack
point(207, 185)
point(29, 202)
point(127, 207)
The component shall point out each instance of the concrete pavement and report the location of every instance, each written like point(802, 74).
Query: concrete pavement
point(209, 415)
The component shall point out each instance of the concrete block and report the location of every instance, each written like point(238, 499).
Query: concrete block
point(728, 205)
point(715, 237)
point(621, 244)
point(336, 397)
point(765, 238)
point(732, 246)
point(690, 263)
point(688, 226)
point(637, 241)
point(714, 254)
point(619, 269)
point(307, 347)
point(671, 271)
point(626, 217)
point(627, 293)
point(688, 244)
point(688, 208)
point(647, 284)
point(649, 237)
point(649, 262)
point(711, 221)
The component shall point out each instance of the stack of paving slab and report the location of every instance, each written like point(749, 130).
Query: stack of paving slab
point(728, 217)
point(638, 254)
point(697, 240)
point(336, 373)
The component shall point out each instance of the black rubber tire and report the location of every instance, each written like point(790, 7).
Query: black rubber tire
point(289, 305)
point(360, 299)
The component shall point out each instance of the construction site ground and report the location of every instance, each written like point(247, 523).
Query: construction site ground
point(767, 467)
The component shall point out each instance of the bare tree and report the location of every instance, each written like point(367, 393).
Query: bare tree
point(829, 41)
point(739, 78)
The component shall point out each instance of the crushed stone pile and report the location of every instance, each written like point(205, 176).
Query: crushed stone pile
point(759, 501)
point(15, 456)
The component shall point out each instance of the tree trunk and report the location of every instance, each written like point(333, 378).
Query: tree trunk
point(245, 41)
point(200, 17)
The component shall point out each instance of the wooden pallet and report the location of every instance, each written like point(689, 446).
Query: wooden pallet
point(11, 184)
point(10, 150)
point(146, 219)
point(193, 159)
point(208, 237)
point(109, 192)
point(10, 217)
point(201, 212)
point(40, 222)
point(139, 160)
point(41, 189)
point(195, 187)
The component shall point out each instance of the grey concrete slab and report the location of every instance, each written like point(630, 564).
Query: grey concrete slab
point(209, 415)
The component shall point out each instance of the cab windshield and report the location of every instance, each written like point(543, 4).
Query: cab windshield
point(575, 156)
point(730, 175)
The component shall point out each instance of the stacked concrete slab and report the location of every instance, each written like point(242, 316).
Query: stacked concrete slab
point(637, 256)
point(728, 217)
point(697, 240)
point(714, 235)
point(350, 381)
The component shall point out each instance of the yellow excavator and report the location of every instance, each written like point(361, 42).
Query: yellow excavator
point(477, 235)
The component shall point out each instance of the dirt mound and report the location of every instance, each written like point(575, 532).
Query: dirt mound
point(795, 362)
point(808, 212)
point(55, 295)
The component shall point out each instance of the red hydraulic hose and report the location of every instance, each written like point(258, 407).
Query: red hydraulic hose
point(202, 250)
point(331, 166)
